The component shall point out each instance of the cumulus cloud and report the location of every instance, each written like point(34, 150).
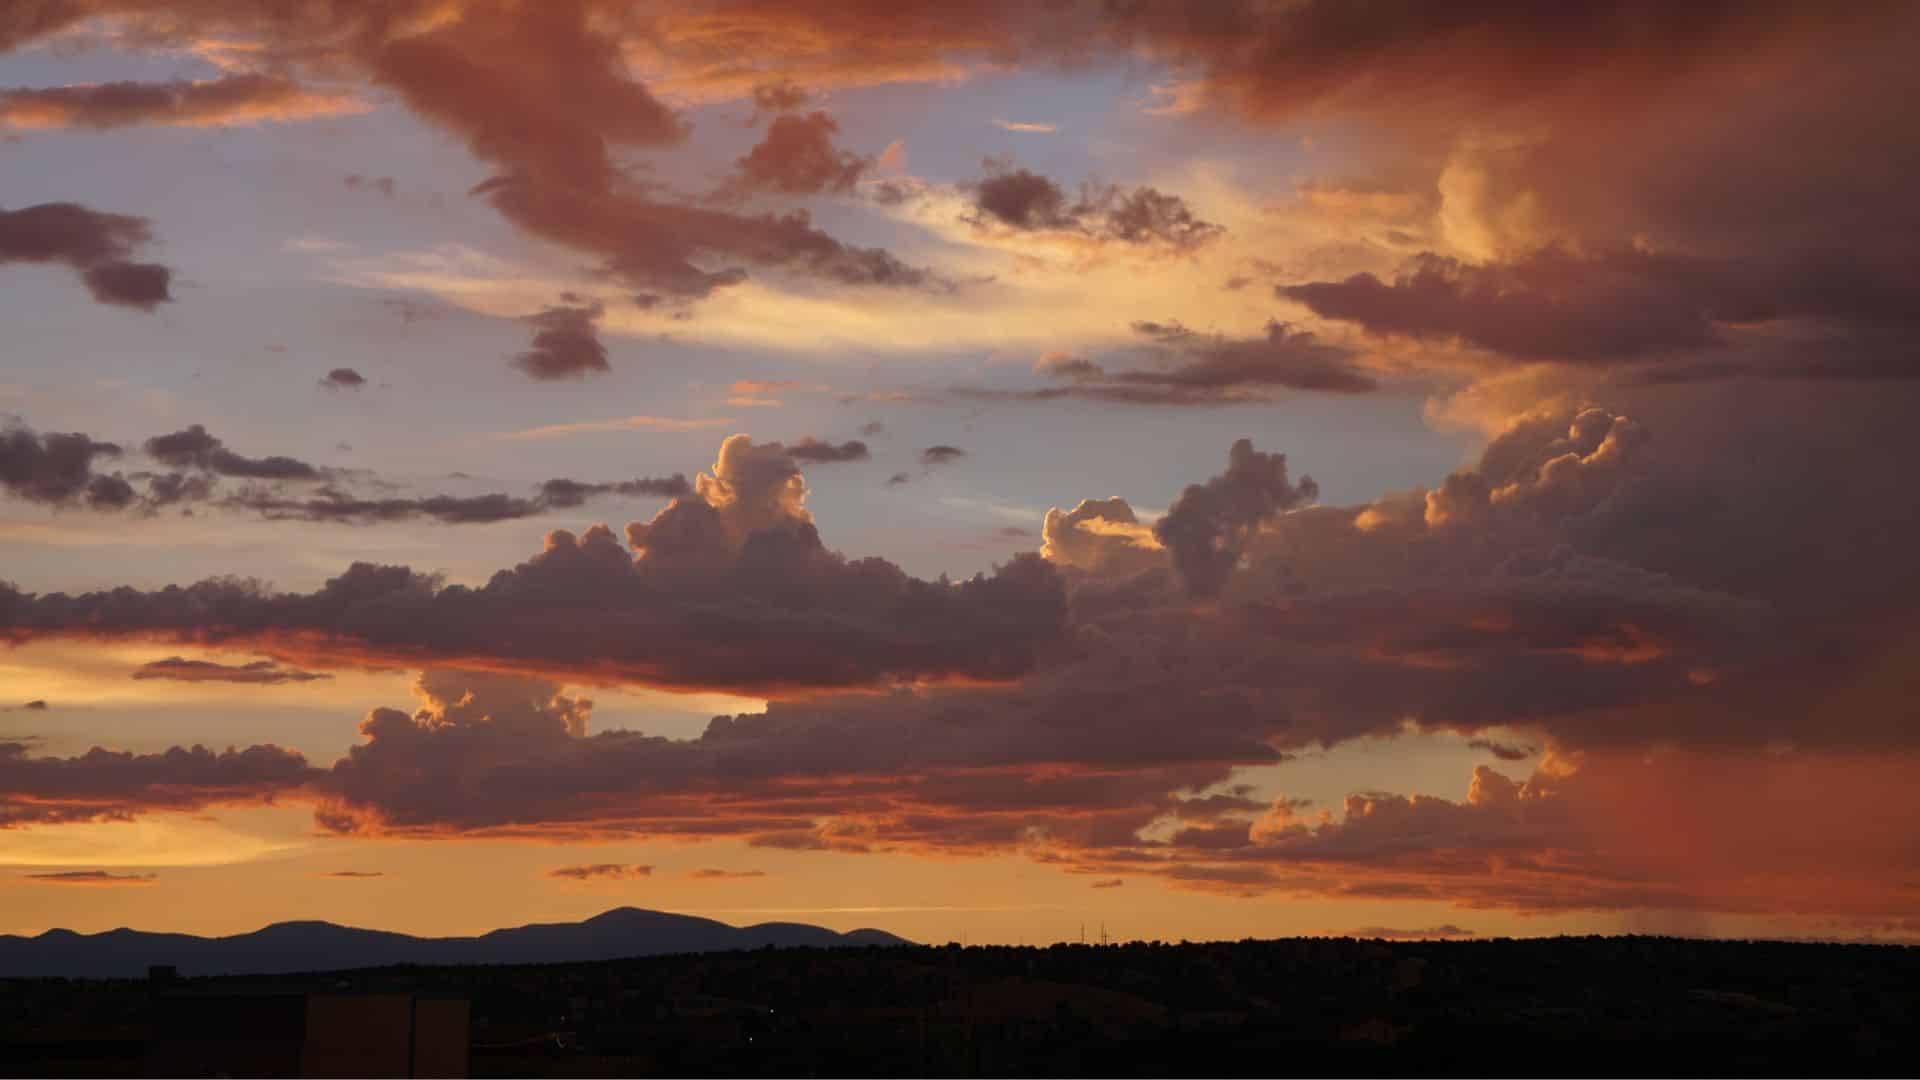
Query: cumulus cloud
point(98, 246)
point(262, 672)
point(1206, 528)
point(730, 587)
point(566, 344)
point(57, 468)
point(107, 785)
point(1503, 605)
point(1102, 537)
point(229, 99)
point(1726, 573)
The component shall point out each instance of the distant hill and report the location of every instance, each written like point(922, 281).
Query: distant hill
point(323, 946)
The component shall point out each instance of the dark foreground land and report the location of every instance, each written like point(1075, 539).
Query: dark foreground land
point(1567, 1006)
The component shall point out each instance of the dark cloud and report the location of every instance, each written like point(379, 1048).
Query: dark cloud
point(1501, 600)
point(90, 877)
point(899, 478)
point(332, 504)
point(343, 378)
point(712, 874)
point(356, 875)
point(1409, 62)
point(140, 285)
point(173, 489)
point(1207, 527)
point(265, 672)
point(601, 872)
point(941, 455)
point(1394, 933)
point(105, 785)
point(566, 344)
point(798, 157)
point(1109, 883)
point(1607, 309)
point(565, 494)
point(872, 428)
point(240, 98)
point(195, 448)
point(1194, 368)
point(730, 588)
point(96, 245)
point(653, 244)
point(843, 773)
point(1503, 751)
point(1024, 200)
point(1282, 357)
point(36, 705)
point(57, 468)
point(813, 451)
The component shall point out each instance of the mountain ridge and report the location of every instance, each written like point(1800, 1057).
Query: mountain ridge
point(318, 945)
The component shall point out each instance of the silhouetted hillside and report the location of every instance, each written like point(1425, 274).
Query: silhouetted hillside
point(321, 946)
point(1553, 1007)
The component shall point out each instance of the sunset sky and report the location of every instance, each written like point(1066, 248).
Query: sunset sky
point(1216, 470)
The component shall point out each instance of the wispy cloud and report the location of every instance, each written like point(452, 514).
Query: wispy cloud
point(90, 877)
point(601, 872)
point(1030, 127)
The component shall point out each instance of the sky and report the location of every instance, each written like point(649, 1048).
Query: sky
point(1211, 471)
